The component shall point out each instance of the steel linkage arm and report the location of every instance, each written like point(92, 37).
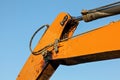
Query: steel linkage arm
point(99, 44)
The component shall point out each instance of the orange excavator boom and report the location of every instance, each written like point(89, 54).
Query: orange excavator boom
point(58, 46)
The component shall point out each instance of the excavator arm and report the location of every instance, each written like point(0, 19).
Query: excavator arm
point(58, 46)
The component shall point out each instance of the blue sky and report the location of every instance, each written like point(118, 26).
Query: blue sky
point(20, 18)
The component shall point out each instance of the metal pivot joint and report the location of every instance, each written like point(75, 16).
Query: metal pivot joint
point(46, 55)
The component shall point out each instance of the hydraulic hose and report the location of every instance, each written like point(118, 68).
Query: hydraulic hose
point(101, 12)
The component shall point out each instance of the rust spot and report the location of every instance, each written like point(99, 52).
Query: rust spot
point(18, 75)
point(37, 71)
point(32, 60)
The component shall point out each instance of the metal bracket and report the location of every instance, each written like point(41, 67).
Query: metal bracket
point(44, 53)
point(47, 55)
point(56, 45)
point(64, 20)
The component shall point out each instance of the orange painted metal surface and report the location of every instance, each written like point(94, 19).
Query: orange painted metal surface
point(35, 63)
point(100, 44)
point(104, 41)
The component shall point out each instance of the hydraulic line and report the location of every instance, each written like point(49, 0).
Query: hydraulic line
point(30, 44)
point(104, 11)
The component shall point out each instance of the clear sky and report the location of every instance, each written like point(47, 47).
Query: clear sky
point(20, 18)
